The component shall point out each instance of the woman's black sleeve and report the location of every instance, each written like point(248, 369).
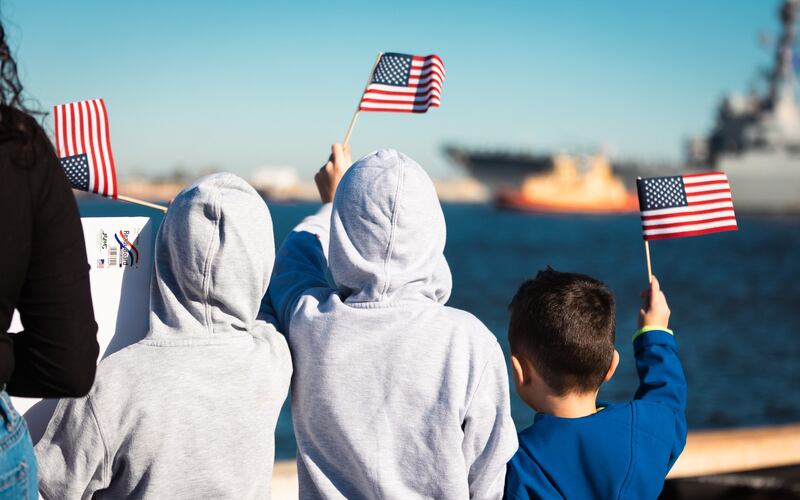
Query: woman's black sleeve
point(56, 354)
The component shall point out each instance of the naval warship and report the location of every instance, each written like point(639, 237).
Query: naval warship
point(756, 138)
point(504, 170)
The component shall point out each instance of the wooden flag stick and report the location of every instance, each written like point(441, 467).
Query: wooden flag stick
point(142, 202)
point(646, 247)
point(352, 125)
point(358, 111)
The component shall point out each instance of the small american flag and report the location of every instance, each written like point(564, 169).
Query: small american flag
point(685, 205)
point(84, 147)
point(404, 83)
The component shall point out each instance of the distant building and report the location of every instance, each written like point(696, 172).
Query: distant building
point(280, 178)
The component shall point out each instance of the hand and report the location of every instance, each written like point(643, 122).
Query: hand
point(331, 173)
point(654, 311)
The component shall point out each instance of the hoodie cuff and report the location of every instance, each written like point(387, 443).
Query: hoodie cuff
point(659, 332)
point(325, 210)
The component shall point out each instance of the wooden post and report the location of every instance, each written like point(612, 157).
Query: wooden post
point(355, 115)
point(142, 203)
point(725, 451)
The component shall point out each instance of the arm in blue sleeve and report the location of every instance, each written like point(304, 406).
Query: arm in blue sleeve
point(300, 265)
point(661, 379)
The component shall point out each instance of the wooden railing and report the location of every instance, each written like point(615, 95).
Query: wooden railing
point(706, 453)
point(735, 450)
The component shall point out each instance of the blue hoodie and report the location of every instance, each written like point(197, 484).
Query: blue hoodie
point(622, 451)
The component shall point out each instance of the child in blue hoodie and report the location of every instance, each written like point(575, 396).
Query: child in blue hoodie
point(561, 334)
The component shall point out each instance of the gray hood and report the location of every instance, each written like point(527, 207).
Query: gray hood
point(216, 237)
point(396, 395)
point(388, 233)
point(190, 411)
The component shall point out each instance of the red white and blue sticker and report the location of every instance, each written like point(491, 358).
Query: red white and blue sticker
point(117, 250)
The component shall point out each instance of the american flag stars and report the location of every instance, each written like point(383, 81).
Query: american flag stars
point(664, 192)
point(686, 205)
point(393, 69)
point(404, 83)
point(77, 170)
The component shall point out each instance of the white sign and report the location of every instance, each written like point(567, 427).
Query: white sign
point(120, 253)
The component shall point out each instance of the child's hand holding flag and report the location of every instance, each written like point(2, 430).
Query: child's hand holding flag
point(684, 205)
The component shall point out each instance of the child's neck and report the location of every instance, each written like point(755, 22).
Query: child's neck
point(569, 405)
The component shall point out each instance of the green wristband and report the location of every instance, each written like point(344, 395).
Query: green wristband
point(646, 329)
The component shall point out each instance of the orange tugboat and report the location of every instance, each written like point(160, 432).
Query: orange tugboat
point(566, 190)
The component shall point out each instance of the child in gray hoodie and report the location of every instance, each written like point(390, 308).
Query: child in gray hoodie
point(395, 395)
point(190, 410)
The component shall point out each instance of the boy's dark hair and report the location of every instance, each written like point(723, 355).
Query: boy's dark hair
point(564, 324)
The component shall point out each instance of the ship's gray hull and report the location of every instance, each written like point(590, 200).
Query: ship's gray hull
point(764, 182)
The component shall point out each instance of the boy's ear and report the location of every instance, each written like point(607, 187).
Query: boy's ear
point(519, 370)
point(522, 370)
point(613, 367)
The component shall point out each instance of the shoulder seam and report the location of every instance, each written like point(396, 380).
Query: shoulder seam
point(477, 388)
point(483, 372)
point(624, 484)
point(106, 452)
point(666, 409)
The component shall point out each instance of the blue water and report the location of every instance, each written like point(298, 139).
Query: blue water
point(735, 297)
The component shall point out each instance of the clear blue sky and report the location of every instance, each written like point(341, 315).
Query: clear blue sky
point(236, 85)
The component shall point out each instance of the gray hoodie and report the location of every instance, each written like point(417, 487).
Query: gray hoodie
point(190, 410)
point(394, 395)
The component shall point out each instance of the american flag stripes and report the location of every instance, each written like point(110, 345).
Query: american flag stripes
point(685, 205)
point(84, 147)
point(404, 83)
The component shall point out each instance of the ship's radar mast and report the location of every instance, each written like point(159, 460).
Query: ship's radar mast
point(755, 122)
point(756, 137)
point(782, 79)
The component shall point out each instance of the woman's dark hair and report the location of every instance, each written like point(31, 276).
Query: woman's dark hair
point(17, 122)
point(10, 86)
